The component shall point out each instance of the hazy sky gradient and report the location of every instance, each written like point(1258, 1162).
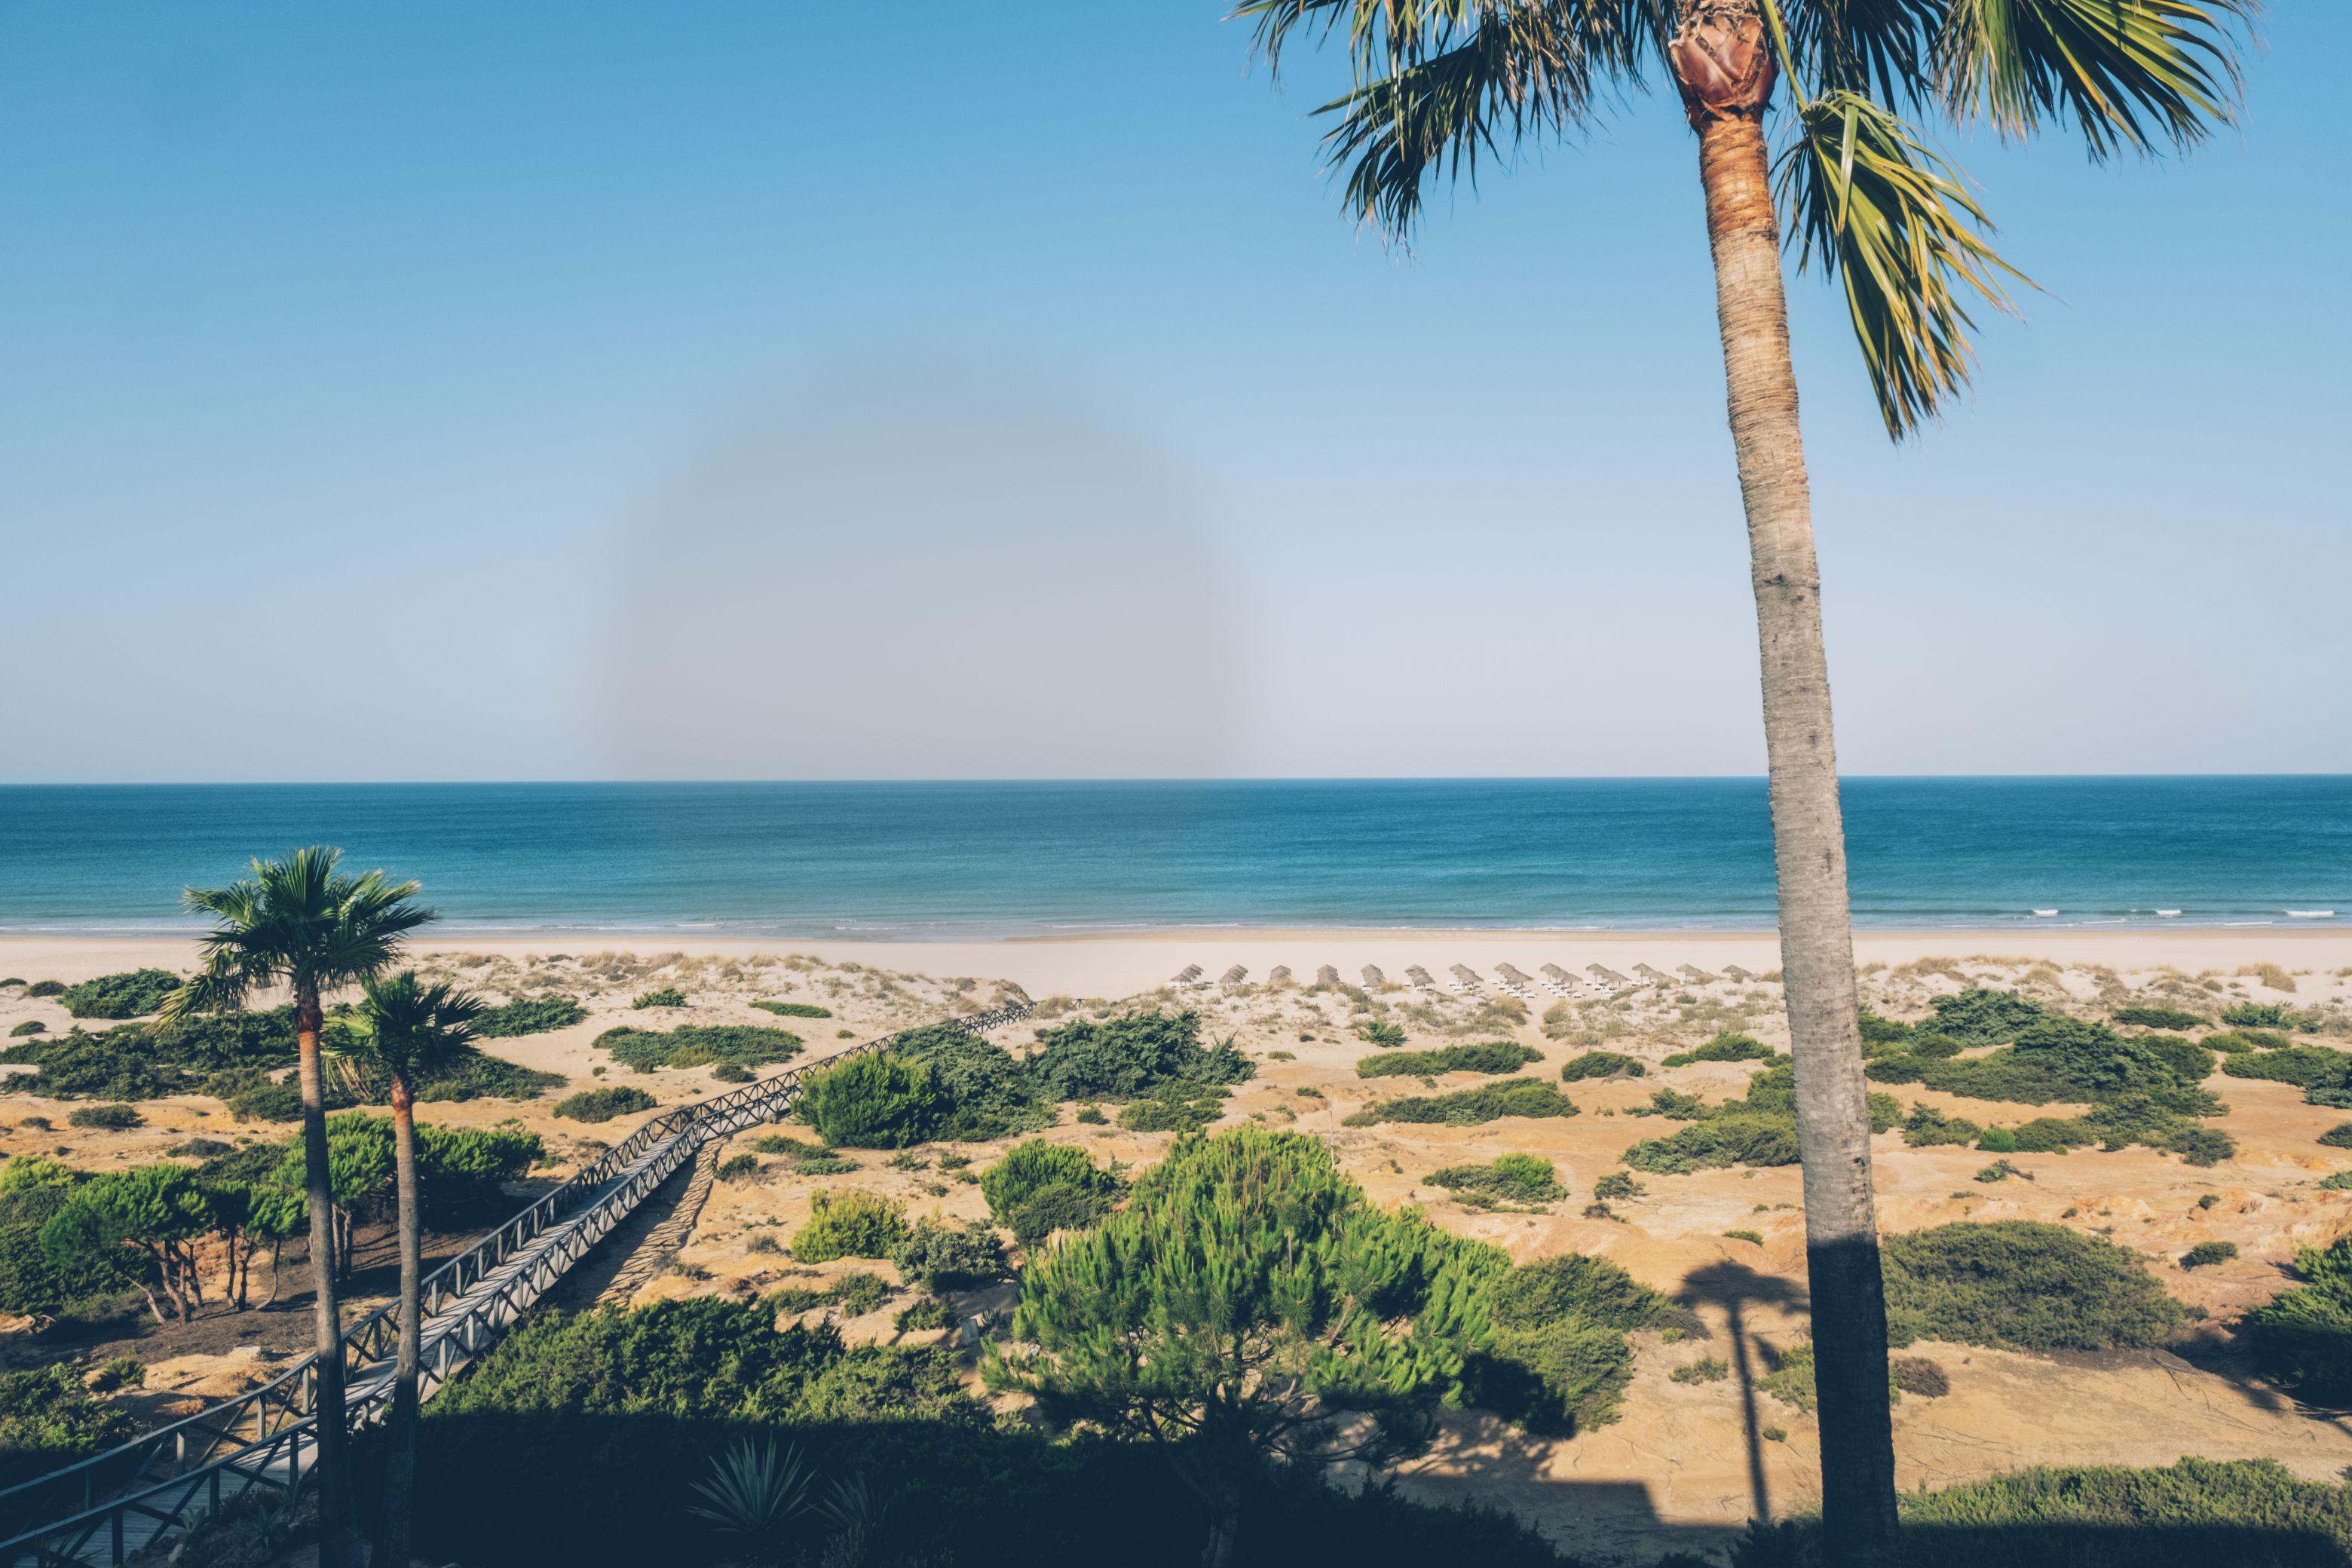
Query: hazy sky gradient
point(736, 390)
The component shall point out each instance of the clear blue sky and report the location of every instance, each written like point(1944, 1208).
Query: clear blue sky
point(596, 390)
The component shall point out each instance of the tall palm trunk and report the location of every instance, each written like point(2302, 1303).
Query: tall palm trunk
point(338, 1540)
point(399, 1462)
point(1725, 66)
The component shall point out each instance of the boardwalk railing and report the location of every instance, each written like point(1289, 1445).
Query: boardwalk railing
point(124, 1501)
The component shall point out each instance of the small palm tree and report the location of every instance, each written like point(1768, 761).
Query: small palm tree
point(403, 1033)
point(1439, 83)
point(302, 924)
point(756, 1489)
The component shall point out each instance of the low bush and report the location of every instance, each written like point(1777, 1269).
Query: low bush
point(1917, 1374)
point(2161, 1018)
point(604, 1104)
point(261, 1099)
point(109, 1118)
point(1557, 1360)
point(2338, 1136)
point(794, 1009)
point(986, 1093)
point(1985, 1018)
point(134, 994)
point(1602, 1064)
point(1494, 1057)
point(1998, 1141)
point(2001, 1170)
point(1123, 1058)
point(847, 1223)
point(1928, 1128)
point(46, 988)
point(1507, 1179)
point(1618, 1184)
point(1380, 1032)
point(2258, 1016)
point(699, 1045)
point(666, 996)
point(48, 1419)
point(874, 1102)
point(1175, 1108)
point(1039, 1188)
point(2053, 1135)
point(2302, 1338)
point(1471, 1107)
point(2022, 1284)
point(531, 1016)
point(929, 1312)
point(735, 1167)
point(2306, 1066)
point(937, 1256)
point(2205, 1253)
point(1760, 1129)
point(1753, 1237)
point(1706, 1369)
point(1725, 1048)
point(29, 1027)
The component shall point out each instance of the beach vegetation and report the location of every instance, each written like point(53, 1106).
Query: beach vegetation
point(1618, 1184)
point(604, 1104)
point(661, 997)
point(1175, 1108)
point(939, 1255)
point(529, 1015)
point(2206, 1254)
point(2302, 1338)
point(1706, 1368)
point(1928, 1128)
point(1492, 1057)
point(1602, 1064)
point(1128, 1056)
point(1505, 1178)
point(1470, 1106)
point(46, 988)
point(845, 1222)
point(1555, 1359)
point(794, 1009)
point(1727, 1046)
point(29, 1027)
point(49, 1419)
point(1040, 1187)
point(875, 1101)
point(108, 1118)
point(1760, 1130)
point(987, 1093)
point(136, 993)
point(2023, 1284)
point(699, 1045)
point(2306, 1066)
point(2259, 1015)
point(1381, 1032)
point(2161, 1018)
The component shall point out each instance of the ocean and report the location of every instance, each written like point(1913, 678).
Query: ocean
point(980, 859)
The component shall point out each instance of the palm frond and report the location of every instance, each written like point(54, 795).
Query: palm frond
point(1880, 211)
point(404, 1028)
point(1880, 46)
point(2127, 73)
point(755, 1489)
point(1441, 82)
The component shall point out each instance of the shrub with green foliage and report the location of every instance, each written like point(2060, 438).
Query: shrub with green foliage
point(937, 1256)
point(29, 1027)
point(2205, 1253)
point(1602, 1064)
point(847, 1223)
point(1556, 1359)
point(1618, 1184)
point(1983, 1017)
point(1725, 1048)
point(794, 1009)
point(986, 1092)
point(1175, 1108)
point(875, 1102)
point(2161, 1018)
point(1494, 1057)
point(32, 1281)
point(48, 1419)
point(604, 1104)
point(531, 1016)
point(1381, 1032)
point(2022, 1284)
point(2302, 1338)
point(2259, 1016)
point(2306, 1066)
point(1039, 1188)
point(735, 1167)
point(1130, 1056)
point(2053, 1135)
point(2338, 1136)
point(46, 988)
point(663, 997)
point(108, 1118)
point(699, 1045)
point(1760, 1129)
point(1471, 1107)
point(136, 995)
point(1880, 1034)
point(1505, 1178)
point(1928, 1128)
point(1998, 1141)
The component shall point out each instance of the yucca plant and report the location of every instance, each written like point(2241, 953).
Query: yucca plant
point(1438, 84)
point(754, 1490)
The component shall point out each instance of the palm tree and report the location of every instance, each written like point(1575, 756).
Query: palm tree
point(301, 923)
point(1438, 83)
point(403, 1033)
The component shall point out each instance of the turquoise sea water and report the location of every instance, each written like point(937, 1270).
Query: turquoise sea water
point(934, 860)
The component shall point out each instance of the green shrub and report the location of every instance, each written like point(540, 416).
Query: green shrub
point(29, 1027)
point(1928, 1128)
point(48, 1419)
point(1752, 1236)
point(860, 1293)
point(1508, 1178)
point(666, 996)
point(2230, 1042)
point(1123, 1057)
point(1557, 1359)
point(2053, 1135)
point(875, 1102)
point(2205, 1253)
point(2337, 1182)
point(735, 1167)
point(1471, 1107)
point(1380, 1032)
point(1602, 1064)
point(2189, 1061)
point(1998, 1141)
point(1039, 1188)
point(987, 1094)
point(531, 1016)
point(2306, 1066)
point(794, 1009)
point(2001, 1170)
point(1760, 1129)
point(119, 1371)
point(1175, 1108)
point(1706, 1369)
point(134, 994)
point(1878, 1033)
point(1983, 1017)
point(699, 1045)
point(264, 1099)
point(604, 1104)
point(2302, 1338)
point(727, 1072)
point(46, 988)
point(1725, 1048)
point(2338, 1136)
point(1917, 1374)
point(2161, 1018)
point(1494, 1057)
point(2258, 1016)
point(929, 1312)
point(107, 1117)
point(1618, 1184)
point(2022, 1284)
point(937, 1256)
point(847, 1223)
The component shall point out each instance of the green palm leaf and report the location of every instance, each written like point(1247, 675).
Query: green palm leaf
point(1876, 209)
point(2126, 72)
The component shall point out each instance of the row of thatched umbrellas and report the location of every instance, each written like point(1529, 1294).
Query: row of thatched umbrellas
point(1511, 979)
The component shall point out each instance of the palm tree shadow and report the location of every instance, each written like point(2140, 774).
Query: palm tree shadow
point(1736, 1288)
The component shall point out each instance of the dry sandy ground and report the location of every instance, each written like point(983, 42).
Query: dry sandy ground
point(1688, 1462)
